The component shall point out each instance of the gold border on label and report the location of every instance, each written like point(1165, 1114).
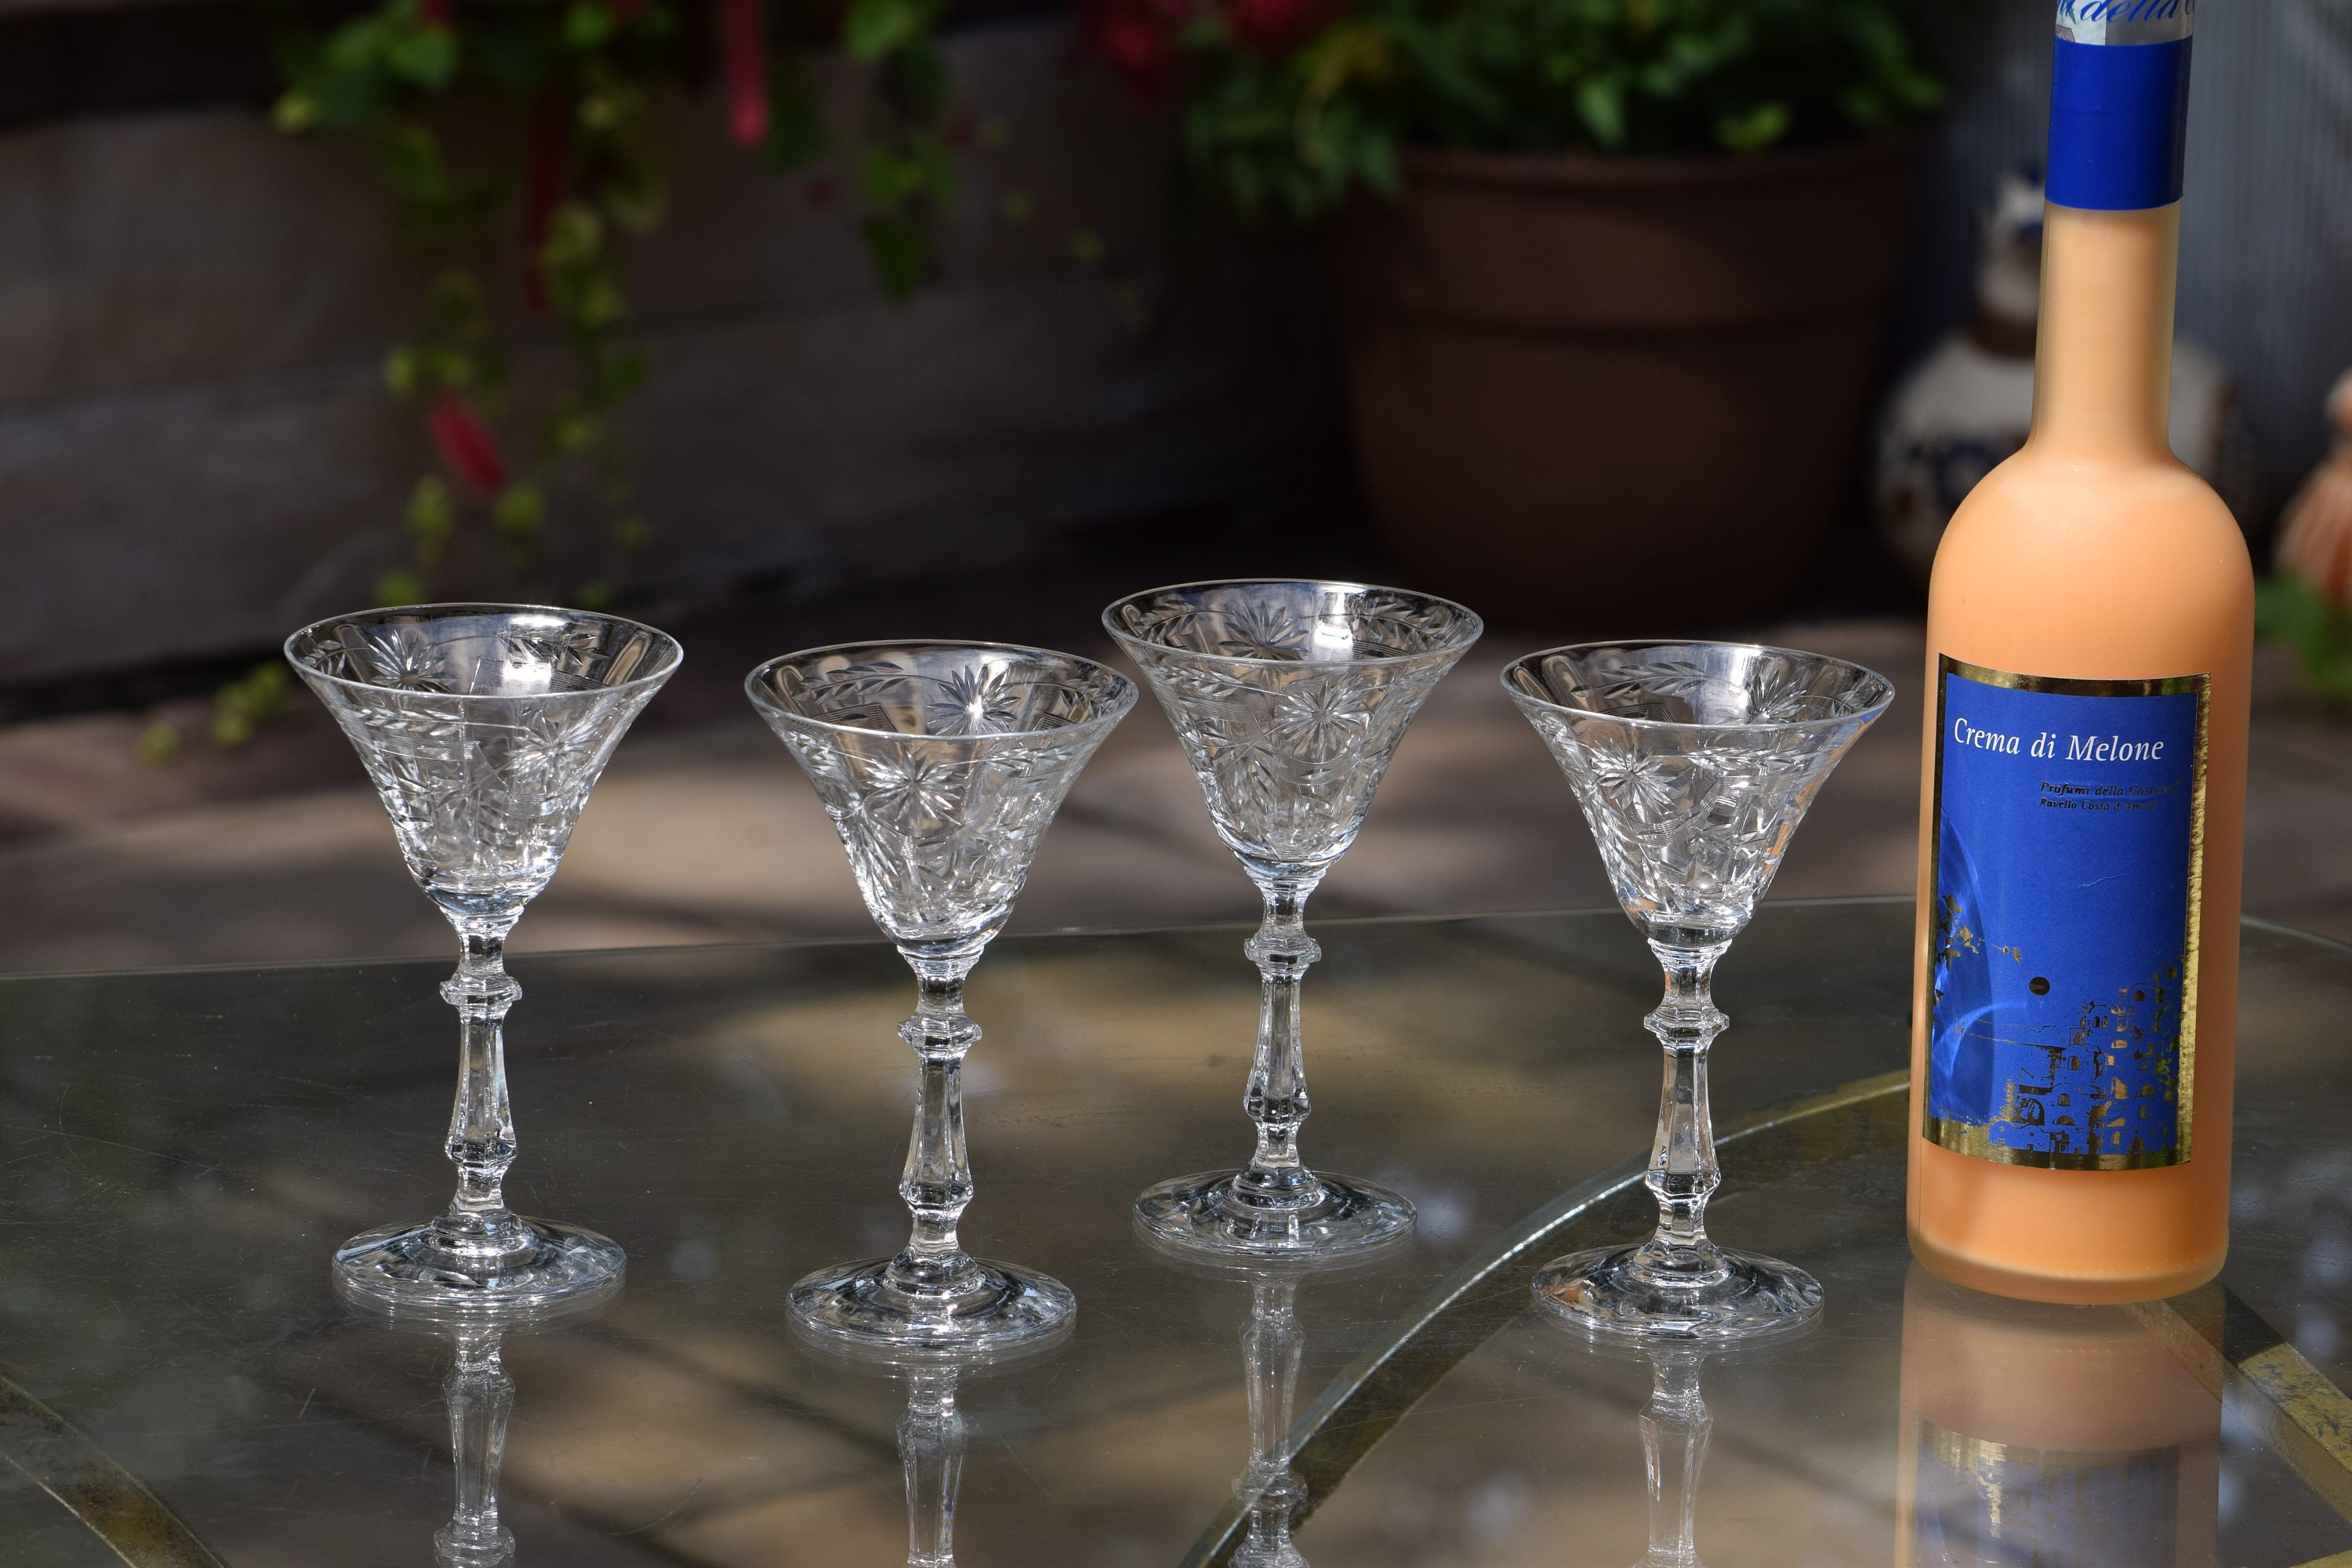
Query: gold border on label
point(1974, 1142)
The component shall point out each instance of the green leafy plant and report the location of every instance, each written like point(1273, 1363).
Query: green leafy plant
point(2289, 610)
point(487, 115)
point(1291, 105)
point(490, 118)
point(239, 707)
point(575, 79)
point(908, 168)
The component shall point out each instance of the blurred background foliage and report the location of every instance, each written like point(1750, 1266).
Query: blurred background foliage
point(561, 149)
point(1291, 105)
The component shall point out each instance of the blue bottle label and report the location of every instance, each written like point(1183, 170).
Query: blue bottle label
point(2068, 861)
point(2119, 103)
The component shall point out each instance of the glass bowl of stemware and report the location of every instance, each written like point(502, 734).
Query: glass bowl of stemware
point(940, 765)
point(1289, 696)
point(1694, 763)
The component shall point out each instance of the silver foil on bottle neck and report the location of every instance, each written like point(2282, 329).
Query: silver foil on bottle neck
point(2126, 21)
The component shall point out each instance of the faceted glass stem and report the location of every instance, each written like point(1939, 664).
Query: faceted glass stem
point(930, 1450)
point(937, 1183)
point(1678, 1284)
point(933, 1294)
point(481, 1396)
point(1276, 1208)
point(1276, 1097)
point(1674, 1430)
point(477, 1255)
point(1684, 1173)
point(481, 1142)
point(1271, 1345)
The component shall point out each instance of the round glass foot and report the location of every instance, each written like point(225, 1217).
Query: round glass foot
point(473, 1548)
point(1623, 1292)
point(993, 1307)
point(1206, 1215)
point(410, 1268)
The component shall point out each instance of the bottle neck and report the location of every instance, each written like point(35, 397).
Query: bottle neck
point(2102, 365)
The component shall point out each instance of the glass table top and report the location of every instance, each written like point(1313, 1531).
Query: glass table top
point(183, 1149)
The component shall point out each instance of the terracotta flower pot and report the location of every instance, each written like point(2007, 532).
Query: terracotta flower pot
point(1621, 394)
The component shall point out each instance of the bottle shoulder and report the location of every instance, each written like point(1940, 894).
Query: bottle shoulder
point(2098, 515)
point(2069, 563)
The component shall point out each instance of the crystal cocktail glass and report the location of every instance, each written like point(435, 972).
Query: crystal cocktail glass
point(483, 728)
point(1694, 764)
point(942, 764)
point(1289, 697)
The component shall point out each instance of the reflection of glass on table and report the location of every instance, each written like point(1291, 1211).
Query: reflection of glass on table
point(479, 1396)
point(932, 1433)
point(1269, 1490)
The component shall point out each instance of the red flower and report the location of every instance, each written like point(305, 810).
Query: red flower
point(744, 63)
point(1273, 27)
point(1137, 39)
point(465, 448)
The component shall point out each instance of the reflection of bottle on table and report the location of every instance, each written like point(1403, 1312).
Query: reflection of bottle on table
point(2061, 1437)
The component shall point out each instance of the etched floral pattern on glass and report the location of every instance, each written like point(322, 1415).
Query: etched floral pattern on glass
point(1289, 699)
point(483, 730)
point(941, 766)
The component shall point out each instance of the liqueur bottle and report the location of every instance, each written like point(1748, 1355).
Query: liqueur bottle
point(2051, 1436)
point(2090, 631)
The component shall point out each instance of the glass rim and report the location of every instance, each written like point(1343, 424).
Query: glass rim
point(454, 608)
point(1472, 621)
point(1783, 725)
point(1123, 693)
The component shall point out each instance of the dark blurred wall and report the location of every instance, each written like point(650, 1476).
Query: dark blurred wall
point(2266, 247)
point(197, 453)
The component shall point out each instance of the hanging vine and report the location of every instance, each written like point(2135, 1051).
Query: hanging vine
point(580, 75)
point(490, 118)
point(493, 119)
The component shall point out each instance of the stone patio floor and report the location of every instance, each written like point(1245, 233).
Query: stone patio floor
point(703, 830)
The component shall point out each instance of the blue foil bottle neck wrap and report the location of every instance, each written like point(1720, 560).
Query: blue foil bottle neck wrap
point(2118, 124)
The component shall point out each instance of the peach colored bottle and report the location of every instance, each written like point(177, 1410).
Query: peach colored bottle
point(2090, 633)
